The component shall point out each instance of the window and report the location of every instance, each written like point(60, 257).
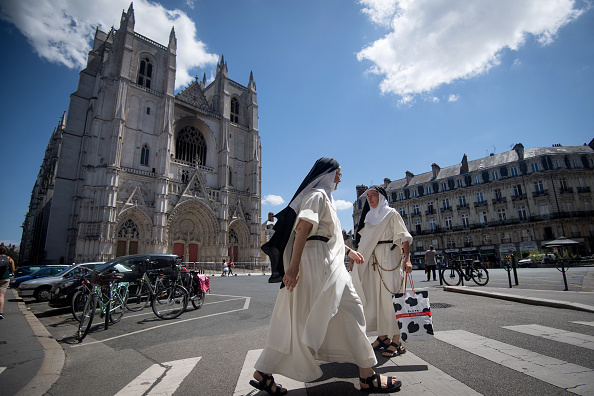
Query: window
point(145, 73)
point(534, 166)
point(148, 110)
point(505, 238)
point(230, 176)
point(483, 218)
point(451, 243)
point(501, 214)
point(518, 190)
point(446, 203)
point(448, 223)
point(144, 155)
point(526, 235)
point(427, 190)
point(498, 195)
point(522, 214)
point(495, 175)
point(234, 110)
point(575, 163)
point(514, 172)
point(402, 212)
point(400, 196)
point(477, 179)
point(462, 201)
point(558, 164)
point(543, 210)
point(465, 222)
point(459, 183)
point(432, 225)
point(444, 186)
point(430, 208)
point(563, 184)
point(416, 209)
point(480, 199)
point(191, 146)
point(468, 241)
point(538, 187)
point(487, 239)
point(418, 226)
point(414, 193)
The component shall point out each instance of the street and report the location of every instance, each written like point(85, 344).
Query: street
point(482, 346)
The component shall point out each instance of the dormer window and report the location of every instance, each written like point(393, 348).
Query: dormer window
point(234, 111)
point(145, 73)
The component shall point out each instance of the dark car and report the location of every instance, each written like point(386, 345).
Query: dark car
point(131, 266)
point(26, 270)
point(49, 270)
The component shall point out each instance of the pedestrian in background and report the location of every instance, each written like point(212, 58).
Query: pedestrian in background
point(231, 265)
point(225, 268)
point(6, 268)
point(384, 242)
point(430, 263)
point(317, 315)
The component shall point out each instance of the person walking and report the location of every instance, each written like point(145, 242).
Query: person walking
point(384, 242)
point(6, 268)
point(430, 262)
point(231, 265)
point(317, 315)
point(225, 268)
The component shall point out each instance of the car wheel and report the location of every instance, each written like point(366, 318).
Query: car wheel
point(42, 294)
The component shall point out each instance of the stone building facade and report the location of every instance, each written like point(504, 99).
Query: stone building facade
point(514, 201)
point(136, 168)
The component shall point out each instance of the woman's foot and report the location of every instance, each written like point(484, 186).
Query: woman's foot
point(394, 350)
point(265, 382)
point(380, 343)
point(379, 384)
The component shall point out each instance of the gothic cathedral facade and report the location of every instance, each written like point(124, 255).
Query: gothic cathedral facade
point(135, 168)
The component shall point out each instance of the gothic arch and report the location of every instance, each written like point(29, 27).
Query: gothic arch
point(206, 132)
point(239, 240)
point(132, 232)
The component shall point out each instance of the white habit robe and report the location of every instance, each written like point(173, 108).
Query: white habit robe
point(322, 318)
point(375, 292)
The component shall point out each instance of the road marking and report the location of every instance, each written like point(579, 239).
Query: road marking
point(148, 310)
point(160, 379)
point(585, 323)
point(567, 337)
point(176, 322)
point(569, 376)
point(2, 369)
point(417, 376)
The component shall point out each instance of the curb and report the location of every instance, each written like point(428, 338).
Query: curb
point(53, 359)
point(521, 299)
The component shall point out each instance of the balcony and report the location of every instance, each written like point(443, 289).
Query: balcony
point(500, 200)
point(416, 214)
point(566, 190)
point(447, 209)
point(519, 197)
point(583, 189)
point(430, 211)
point(540, 193)
point(479, 204)
point(465, 206)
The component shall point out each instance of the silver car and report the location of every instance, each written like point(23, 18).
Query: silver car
point(40, 287)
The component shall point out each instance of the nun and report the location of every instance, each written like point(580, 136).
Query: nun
point(317, 315)
point(384, 242)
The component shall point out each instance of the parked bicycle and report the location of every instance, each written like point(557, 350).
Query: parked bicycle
point(197, 285)
point(453, 273)
point(171, 298)
point(104, 290)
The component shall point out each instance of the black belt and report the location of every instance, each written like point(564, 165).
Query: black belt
point(318, 238)
point(381, 242)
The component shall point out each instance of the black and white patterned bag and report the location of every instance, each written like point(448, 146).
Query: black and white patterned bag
point(413, 313)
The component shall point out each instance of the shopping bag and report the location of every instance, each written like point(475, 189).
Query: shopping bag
point(413, 314)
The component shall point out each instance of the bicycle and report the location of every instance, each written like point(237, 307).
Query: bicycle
point(104, 290)
point(171, 298)
point(453, 274)
point(142, 292)
point(197, 286)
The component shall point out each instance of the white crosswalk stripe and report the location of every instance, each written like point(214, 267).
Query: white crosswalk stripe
point(567, 337)
point(164, 378)
point(585, 323)
point(571, 377)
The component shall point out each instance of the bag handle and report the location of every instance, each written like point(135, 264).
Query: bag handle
point(412, 285)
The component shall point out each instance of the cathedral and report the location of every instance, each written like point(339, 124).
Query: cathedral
point(135, 168)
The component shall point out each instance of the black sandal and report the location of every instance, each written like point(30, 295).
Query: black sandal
point(383, 344)
point(392, 384)
point(267, 386)
point(399, 350)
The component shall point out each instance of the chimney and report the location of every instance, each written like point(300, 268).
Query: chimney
point(361, 189)
point(271, 217)
point(464, 166)
point(435, 169)
point(386, 182)
point(519, 149)
point(409, 176)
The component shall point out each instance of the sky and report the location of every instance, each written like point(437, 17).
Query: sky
point(383, 86)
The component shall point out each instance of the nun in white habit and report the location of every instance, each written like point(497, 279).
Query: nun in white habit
point(318, 315)
point(385, 245)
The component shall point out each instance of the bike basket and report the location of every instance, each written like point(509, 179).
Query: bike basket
point(104, 278)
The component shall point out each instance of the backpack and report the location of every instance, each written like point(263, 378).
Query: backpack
point(4, 264)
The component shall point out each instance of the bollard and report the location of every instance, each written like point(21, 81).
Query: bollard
point(515, 271)
point(561, 267)
point(508, 268)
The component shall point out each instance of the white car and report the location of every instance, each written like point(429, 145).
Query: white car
point(40, 287)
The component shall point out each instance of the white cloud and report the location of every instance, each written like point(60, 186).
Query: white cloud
point(435, 42)
point(343, 205)
point(273, 200)
point(61, 31)
point(453, 98)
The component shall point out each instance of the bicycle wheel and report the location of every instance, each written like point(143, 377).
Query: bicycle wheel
point(480, 275)
point(139, 295)
point(118, 303)
point(77, 304)
point(170, 302)
point(451, 276)
point(86, 318)
point(198, 299)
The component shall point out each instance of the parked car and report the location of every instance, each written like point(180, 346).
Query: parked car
point(538, 258)
point(26, 270)
point(49, 270)
point(40, 287)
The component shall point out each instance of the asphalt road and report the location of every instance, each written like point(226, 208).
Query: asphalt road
point(211, 348)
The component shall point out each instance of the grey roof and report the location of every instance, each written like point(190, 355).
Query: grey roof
point(489, 162)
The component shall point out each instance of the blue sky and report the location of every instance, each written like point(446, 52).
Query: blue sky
point(383, 86)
